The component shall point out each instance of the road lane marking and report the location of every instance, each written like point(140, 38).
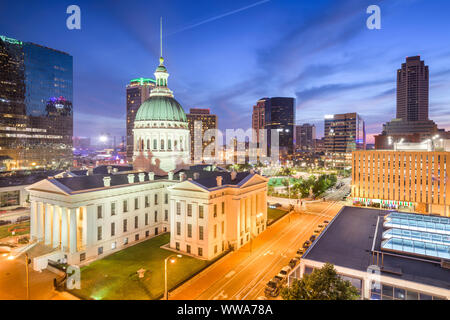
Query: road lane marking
point(276, 261)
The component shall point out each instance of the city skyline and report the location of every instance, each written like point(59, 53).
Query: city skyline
point(323, 75)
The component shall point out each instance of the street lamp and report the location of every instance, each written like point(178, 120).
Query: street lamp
point(172, 260)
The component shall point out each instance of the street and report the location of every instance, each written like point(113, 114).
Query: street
point(242, 275)
point(13, 282)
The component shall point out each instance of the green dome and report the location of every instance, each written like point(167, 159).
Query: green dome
point(161, 108)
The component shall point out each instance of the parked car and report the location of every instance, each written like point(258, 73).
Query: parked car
point(293, 262)
point(326, 221)
point(321, 226)
point(23, 218)
point(317, 231)
point(284, 273)
point(4, 222)
point(306, 244)
point(312, 238)
point(273, 288)
point(301, 251)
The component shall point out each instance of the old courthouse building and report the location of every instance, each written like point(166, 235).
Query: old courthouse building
point(207, 210)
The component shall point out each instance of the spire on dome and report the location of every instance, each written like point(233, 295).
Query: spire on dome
point(161, 59)
point(161, 74)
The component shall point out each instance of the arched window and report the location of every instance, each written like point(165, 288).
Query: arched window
point(142, 144)
point(148, 144)
point(181, 144)
point(155, 144)
point(162, 144)
point(175, 144)
point(169, 144)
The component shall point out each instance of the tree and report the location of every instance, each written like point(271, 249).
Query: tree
point(321, 284)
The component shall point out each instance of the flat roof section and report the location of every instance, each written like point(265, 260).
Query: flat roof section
point(348, 241)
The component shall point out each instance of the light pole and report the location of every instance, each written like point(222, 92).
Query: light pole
point(172, 260)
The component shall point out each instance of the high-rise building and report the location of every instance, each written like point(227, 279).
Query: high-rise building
point(344, 133)
point(138, 90)
point(200, 120)
point(36, 112)
point(404, 178)
point(412, 123)
point(258, 118)
point(305, 136)
point(279, 114)
point(412, 90)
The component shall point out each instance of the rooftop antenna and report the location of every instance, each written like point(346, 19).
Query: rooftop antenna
point(161, 40)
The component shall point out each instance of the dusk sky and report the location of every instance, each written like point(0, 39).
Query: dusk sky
point(225, 55)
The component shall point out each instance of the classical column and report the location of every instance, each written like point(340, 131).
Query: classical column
point(89, 224)
point(56, 227)
point(33, 220)
point(64, 229)
point(48, 224)
point(242, 205)
point(73, 230)
point(254, 213)
point(40, 221)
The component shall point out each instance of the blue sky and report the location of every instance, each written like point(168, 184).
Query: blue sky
point(225, 55)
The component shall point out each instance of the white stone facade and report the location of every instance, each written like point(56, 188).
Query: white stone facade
point(89, 224)
point(207, 221)
point(161, 146)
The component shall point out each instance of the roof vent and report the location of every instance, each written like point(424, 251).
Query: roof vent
point(170, 175)
point(182, 176)
point(141, 177)
point(131, 178)
point(107, 181)
point(233, 175)
point(151, 176)
point(196, 175)
point(109, 168)
point(115, 170)
point(90, 172)
point(219, 180)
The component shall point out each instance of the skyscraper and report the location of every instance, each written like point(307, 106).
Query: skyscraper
point(344, 133)
point(201, 119)
point(412, 90)
point(279, 114)
point(36, 112)
point(258, 118)
point(412, 123)
point(138, 90)
point(305, 136)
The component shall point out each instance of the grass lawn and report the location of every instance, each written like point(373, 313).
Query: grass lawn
point(273, 214)
point(20, 228)
point(115, 278)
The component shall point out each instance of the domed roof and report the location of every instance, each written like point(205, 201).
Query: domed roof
point(161, 108)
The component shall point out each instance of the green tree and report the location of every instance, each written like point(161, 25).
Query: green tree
point(321, 284)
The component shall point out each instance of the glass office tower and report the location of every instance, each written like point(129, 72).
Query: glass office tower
point(279, 115)
point(36, 111)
